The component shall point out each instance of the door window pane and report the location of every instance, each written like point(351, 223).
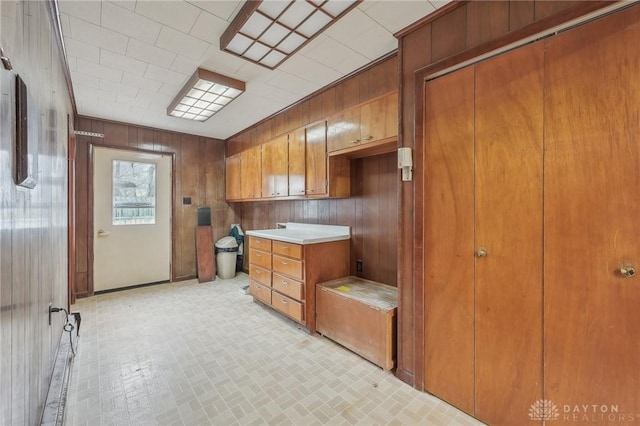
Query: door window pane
point(134, 193)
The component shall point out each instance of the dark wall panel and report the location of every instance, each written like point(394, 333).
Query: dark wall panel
point(33, 222)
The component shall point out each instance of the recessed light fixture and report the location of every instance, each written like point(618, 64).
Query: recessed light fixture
point(205, 94)
point(267, 32)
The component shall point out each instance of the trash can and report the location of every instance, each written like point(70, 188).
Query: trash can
point(226, 249)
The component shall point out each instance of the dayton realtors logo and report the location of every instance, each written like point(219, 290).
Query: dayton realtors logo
point(545, 409)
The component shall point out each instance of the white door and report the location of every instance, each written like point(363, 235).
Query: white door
point(131, 218)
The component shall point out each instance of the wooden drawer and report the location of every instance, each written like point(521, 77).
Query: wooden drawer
point(260, 244)
point(287, 266)
point(260, 292)
point(260, 258)
point(289, 287)
point(287, 249)
point(288, 306)
point(258, 274)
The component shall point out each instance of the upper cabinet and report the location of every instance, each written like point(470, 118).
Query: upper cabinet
point(297, 168)
point(371, 123)
point(315, 160)
point(233, 188)
point(275, 173)
point(251, 173)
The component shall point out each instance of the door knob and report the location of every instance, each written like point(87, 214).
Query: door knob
point(102, 233)
point(482, 252)
point(628, 271)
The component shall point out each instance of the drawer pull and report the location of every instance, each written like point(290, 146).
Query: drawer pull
point(368, 138)
point(283, 301)
point(285, 282)
point(285, 247)
point(257, 271)
point(258, 255)
point(284, 263)
point(355, 141)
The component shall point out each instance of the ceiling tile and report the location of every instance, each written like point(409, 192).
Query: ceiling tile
point(334, 55)
point(151, 54)
point(92, 92)
point(439, 3)
point(113, 108)
point(175, 14)
point(98, 36)
point(118, 88)
point(169, 89)
point(209, 28)
point(128, 23)
point(121, 62)
point(184, 65)
point(86, 10)
point(87, 52)
point(165, 75)
point(310, 70)
point(373, 42)
point(215, 59)
point(400, 16)
point(99, 71)
point(127, 4)
point(141, 82)
point(154, 98)
point(350, 26)
point(292, 83)
point(221, 9)
point(249, 71)
point(64, 24)
point(73, 63)
point(80, 78)
point(181, 43)
point(133, 101)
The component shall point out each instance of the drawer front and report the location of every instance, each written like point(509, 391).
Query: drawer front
point(289, 287)
point(260, 258)
point(260, 292)
point(287, 266)
point(288, 306)
point(258, 274)
point(260, 244)
point(288, 249)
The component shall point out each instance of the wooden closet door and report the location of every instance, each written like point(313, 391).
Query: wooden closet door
point(448, 238)
point(508, 287)
point(592, 218)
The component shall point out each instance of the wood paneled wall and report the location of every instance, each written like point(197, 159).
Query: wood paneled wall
point(199, 171)
point(33, 222)
point(372, 210)
point(371, 213)
point(456, 33)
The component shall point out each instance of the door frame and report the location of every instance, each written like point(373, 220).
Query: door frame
point(91, 230)
point(71, 213)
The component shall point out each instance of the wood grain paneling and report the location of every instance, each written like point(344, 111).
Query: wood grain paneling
point(486, 20)
point(425, 48)
point(591, 218)
point(199, 163)
point(449, 236)
point(33, 222)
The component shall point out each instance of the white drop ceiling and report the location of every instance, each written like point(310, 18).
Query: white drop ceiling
point(129, 59)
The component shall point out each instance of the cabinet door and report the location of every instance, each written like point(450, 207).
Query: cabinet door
point(275, 158)
point(251, 173)
point(343, 130)
point(592, 152)
point(508, 193)
point(448, 235)
point(379, 119)
point(233, 189)
point(297, 162)
point(316, 160)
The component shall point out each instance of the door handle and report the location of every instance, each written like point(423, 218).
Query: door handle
point(482, 252)
point(102, 233)
point(628, 271)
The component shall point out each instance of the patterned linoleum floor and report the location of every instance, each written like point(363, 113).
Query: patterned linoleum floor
point(206, 354)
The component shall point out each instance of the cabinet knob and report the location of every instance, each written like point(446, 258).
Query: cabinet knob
point(482, 252)
point(368, 138)
point(355, 141)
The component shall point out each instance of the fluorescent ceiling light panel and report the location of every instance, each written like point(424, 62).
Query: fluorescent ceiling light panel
point(267, 32)
point(205, 93)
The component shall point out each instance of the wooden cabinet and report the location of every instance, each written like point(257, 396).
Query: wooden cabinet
point(233, 188)
point(316, 160)
point(275, 173)
point(251, 173)
point(361, 316)
point(284, 275)
point(483, 269)
point(297, 167)
point(374, 122)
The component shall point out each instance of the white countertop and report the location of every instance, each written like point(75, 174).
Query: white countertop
point(304, 233)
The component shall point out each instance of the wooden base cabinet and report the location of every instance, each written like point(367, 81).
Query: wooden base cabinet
point(284, 275)
point(361, 316)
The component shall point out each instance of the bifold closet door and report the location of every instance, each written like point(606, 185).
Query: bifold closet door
point(448, 238)
point(592, 220)
point(509, 267)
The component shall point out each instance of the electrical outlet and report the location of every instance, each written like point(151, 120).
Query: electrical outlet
point(359, 265)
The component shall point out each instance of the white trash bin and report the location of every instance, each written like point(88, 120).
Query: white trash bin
point(226, 251)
